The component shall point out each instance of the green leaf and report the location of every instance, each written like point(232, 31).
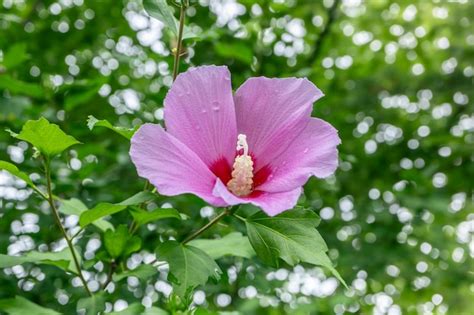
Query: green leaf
point(76, 207)
point(138, 198)
point(15, 55)
point(160, 10)
point(62, 259)
point(142, 217)
point(132, 309)
point(189, 266)
point(143, 272)
point(48, 138)
point(155, 311)
point(92, 305)
point(103, 209)
point(12, 169)
point(16, 86)
point(81, 92)
point(21, 306)
point(125, 132)
point(233, 244)
point(290, 236)
point(120, 242)
point(236, 51)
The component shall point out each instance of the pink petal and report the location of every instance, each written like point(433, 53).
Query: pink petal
point(272, 112)
point(170, 165)
point(313, 152)
point(271, 203)
point(199, 112)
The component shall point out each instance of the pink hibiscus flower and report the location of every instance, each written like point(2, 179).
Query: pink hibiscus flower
point(258, 146)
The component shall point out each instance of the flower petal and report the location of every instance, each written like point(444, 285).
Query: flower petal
point(271, 203)
point(170, 165)
point(199, 112)
point(271, 112)
point(313, 152)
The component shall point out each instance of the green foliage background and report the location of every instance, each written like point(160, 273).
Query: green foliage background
point(398, 77)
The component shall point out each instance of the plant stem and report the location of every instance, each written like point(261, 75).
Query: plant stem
point(177, 55)
point(113, 266)
point(61, 227)
point(224, 213)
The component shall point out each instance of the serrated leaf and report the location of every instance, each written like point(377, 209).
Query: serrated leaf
point(48, 138)
point(233, 244)
point(142, 217)
point(124, 132)
point(160, 10)
point(74, 206)
point(290, 236)
point(16, 86)
point(62, 259)
point(120, 242)
point(21, 306)
point(189, 266)
point(12, 169)
point(143, 272)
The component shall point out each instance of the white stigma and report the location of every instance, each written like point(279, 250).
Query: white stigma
point(242, 170)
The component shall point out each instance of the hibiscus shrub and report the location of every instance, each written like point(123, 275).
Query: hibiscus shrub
point(257, 148)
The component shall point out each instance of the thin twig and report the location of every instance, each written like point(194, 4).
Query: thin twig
point(61, 227)
point(110, 274)
point(177, 55)
point(332, 12)
point(224, 213)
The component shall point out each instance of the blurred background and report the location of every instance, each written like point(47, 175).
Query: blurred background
point(398, 77)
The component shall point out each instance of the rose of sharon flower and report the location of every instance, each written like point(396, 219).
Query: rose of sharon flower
point(258, 146)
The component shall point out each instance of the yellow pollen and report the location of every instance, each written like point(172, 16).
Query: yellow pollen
point(242, 173)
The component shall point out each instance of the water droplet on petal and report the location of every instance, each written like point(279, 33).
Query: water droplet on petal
point(306, 150)
point(203, 111)
point(215, 108)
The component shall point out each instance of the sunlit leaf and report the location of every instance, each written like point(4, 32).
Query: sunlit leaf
point(48, 138)
point(233, 244)
point(189, 266)
point(125, 132)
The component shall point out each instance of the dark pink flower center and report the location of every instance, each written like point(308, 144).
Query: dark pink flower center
point(223, 170)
